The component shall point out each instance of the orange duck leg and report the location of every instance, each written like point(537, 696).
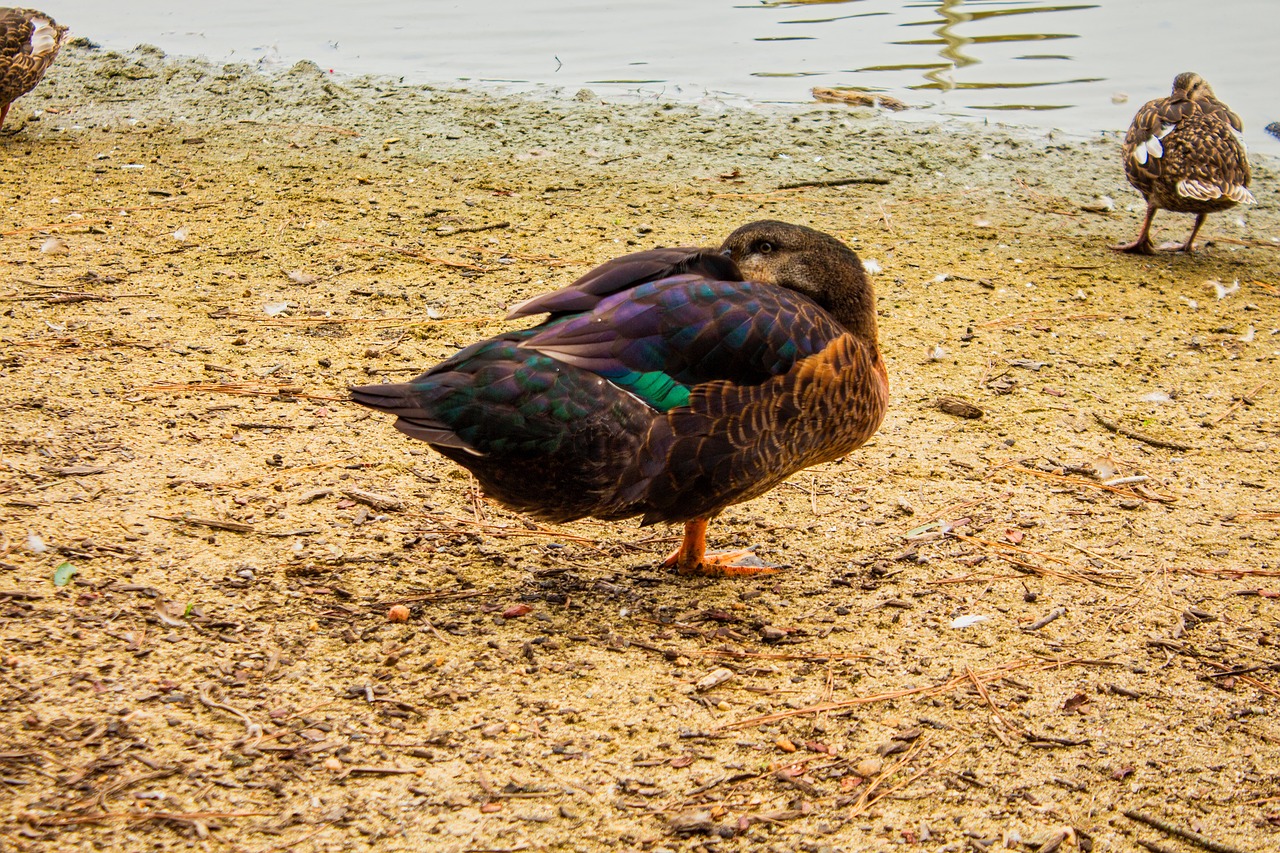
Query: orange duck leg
point(1142, 246)
point(691, 558)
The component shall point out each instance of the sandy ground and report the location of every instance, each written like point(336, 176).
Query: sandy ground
point(977, 643)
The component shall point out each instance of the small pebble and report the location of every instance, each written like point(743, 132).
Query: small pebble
point(398, 613)
point(869, 767)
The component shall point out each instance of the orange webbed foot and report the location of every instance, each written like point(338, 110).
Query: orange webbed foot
point(1141, 246)
point(724, 565)
point(691, 558)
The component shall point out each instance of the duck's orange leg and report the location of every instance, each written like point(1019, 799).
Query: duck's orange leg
point(1195, 229)
point(1141, 246)
point(691, 558)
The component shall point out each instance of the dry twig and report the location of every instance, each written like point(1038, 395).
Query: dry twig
point(1121, 429)
point(1019, 319)
point(947, 686)
point(242, 389)
point(252, 729)
point(832, 182)
point(214, 523)
point(1139, 494)
point(1245, 400)
point(870, 802)
point(135, 817)
point(421, 256)
point(1006, 552)
point(1185, 834)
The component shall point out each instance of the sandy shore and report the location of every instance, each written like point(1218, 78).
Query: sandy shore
point(201, 259)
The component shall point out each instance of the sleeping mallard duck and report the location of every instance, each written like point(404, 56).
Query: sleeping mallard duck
point(29, 40)
point(1183, 153)
point(667, 384)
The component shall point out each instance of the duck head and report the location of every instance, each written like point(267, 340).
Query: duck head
point(810, 262)
point(1191, 86)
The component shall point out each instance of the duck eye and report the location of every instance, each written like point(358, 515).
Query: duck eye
point(764, 247)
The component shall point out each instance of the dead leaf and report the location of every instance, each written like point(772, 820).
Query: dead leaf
point(1078, 703)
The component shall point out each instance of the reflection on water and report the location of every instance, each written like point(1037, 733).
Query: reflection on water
point(953, 13)
point(976, 45)
point(982, 45)
point(953, 36)
point(1087, 65)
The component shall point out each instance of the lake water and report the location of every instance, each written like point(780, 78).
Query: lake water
point(1081, 66)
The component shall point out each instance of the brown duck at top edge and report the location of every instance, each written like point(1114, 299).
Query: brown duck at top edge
point(29, 42)
point(1183, 153)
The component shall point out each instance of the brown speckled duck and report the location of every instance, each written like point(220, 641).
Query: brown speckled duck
point(1183, 153)
point(29, 40)
point(667, 384)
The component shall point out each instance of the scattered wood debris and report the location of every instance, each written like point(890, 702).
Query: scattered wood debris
point(958, 407)
point(858, 98)
point(385, 503)
point(1128, 432)
point(1196, 838)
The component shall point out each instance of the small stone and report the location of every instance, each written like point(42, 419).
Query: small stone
point(398, 613)
point(332, 764)
point(689, 823)
point(869, 767)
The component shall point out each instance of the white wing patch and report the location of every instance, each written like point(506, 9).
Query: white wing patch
point(1240, 195)
point(1152, 147)
point(44, 38)
point(1200, 191)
